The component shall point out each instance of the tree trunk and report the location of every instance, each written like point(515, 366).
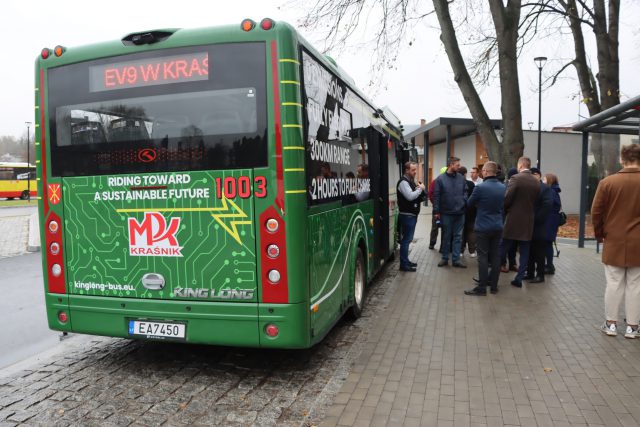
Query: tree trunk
point(506, 20)
point(603, 91)
point(463, 79)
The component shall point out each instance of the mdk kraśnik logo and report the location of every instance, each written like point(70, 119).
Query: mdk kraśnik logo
point(152, 236)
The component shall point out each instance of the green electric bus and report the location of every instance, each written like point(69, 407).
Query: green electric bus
point(223, 185)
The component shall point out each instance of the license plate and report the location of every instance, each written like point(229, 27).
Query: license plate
point(158, 330)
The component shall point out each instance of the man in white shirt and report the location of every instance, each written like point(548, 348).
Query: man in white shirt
point(475, 176)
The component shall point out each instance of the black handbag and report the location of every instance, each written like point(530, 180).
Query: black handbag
point(563, 218)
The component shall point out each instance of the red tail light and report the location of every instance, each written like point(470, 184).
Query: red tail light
point(267, 24)
point(271, 330)
point(275, 286)
point(272, 225)
point(273, 251)
point(54, 255)
point(62, 317)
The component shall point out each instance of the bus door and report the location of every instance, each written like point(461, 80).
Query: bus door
point(378, 161)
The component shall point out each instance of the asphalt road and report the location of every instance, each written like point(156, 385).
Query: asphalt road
point(23, 323)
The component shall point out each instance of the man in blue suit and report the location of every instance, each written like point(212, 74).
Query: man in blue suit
point(488, 198)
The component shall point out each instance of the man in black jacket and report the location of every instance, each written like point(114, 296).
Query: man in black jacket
point(409, 197)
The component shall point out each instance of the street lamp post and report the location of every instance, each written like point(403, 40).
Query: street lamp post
point(28, 162)
point(540, 60)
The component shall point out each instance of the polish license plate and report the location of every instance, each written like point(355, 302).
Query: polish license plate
point(157, 330)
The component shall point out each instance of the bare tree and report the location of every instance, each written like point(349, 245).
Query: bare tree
point(340, 20)
point(601, 90)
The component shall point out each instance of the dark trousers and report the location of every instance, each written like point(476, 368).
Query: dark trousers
point(451, 236)
point(468, 236)
point(536, 258)
point(508, 252)
point(407, 227)
point(523, 247)
point(548, 251)
point(488, 247)
point(434, 231)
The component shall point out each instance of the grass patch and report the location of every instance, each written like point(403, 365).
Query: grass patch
point(18, 202)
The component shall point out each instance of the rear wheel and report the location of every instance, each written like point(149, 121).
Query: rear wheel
point(358, 286)
point(24, 195)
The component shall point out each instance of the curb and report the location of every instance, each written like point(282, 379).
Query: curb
point(33, 244)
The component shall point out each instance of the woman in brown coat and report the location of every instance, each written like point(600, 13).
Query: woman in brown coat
point(615, 213)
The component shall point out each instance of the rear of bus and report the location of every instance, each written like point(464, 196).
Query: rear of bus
point(164, 213)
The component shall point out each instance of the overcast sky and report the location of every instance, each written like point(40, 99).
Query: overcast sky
point(422, 87)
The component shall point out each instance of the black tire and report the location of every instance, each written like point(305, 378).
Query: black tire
point(24, 195)
point(359, 282)
point(10, 198)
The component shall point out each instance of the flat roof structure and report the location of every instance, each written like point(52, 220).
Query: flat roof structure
point(452, 127)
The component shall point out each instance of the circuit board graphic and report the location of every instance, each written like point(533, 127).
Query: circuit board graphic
point(181, 226)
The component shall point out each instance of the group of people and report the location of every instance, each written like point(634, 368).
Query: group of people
point(490, 218)
point(525, 214)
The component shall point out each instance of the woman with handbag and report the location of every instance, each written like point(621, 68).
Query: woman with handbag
point(555, 219)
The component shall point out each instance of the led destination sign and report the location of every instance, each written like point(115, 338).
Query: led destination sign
point(149, 72)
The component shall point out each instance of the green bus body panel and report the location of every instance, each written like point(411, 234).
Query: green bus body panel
point(96, 233)
point(334, 236)
point(206, 322)
point(214, 241)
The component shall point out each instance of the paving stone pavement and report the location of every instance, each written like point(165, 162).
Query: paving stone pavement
point(529, 357)
point(14, 234)
point(114, 382)
point(422, 354)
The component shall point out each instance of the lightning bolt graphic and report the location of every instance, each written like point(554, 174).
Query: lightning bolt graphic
point(228, 210)
point(231, 228)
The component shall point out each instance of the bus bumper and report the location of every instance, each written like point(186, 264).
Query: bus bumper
point(217, 323)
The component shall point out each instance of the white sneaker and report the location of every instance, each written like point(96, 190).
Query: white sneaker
point(631, 333)
point(473, 255)
point(610, 330)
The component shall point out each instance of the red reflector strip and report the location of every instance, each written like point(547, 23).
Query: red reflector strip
point(278, 128)
point(43, 145)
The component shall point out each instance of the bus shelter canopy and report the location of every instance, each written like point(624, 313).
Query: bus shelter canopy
point(622, 119)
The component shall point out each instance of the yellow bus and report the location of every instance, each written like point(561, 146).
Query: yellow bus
point(14, 180)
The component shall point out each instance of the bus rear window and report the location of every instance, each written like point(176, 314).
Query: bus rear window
point(217, 122)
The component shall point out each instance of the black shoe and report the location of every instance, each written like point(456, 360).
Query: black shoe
point(413, 264)
point(494, 290)
point(432, 247)
point(537, 280)
point(549, 270)
point(528, 277)
point(478, 291)
point(516, 283)
point(443, 262)
point(410, 268)
point(459, 265)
